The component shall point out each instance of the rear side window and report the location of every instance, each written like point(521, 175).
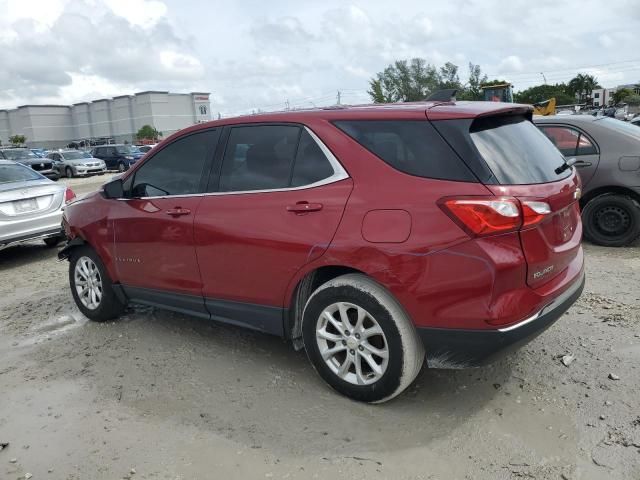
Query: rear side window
point(271, 157)
point(177, 168)
point(413, 147)
point(569, 141)
point(516, 151)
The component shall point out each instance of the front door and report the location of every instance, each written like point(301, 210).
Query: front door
point(153, 228)
point(275, 206)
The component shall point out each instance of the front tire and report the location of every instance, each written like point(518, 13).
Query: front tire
point(121, 167)
point(91, 287)
point(611, 220)
point(360, 340)
point(68, 172)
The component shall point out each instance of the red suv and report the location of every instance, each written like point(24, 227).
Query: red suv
point(367, 235)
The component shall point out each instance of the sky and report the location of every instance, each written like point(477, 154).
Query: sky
point(266, 55)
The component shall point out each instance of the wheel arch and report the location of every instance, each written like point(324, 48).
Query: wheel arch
point(300, 293)
point(609, 190)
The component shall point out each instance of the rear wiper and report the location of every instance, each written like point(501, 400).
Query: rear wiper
point(568, 163)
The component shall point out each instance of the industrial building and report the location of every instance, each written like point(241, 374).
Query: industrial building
point(118, 118)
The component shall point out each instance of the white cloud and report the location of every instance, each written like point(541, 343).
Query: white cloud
point(143, 13)
point(510, 64)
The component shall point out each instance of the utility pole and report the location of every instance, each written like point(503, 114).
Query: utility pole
point(286, 104)
point(543, 77)
point(338, 98)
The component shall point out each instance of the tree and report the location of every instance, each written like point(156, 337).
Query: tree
point(17, 140)
point(472, 90)
point(449, 77)
point(621, 94)
point(404, 81)
point(582, 85)
point(147, 132)
point(540, 93)
point(633, 99)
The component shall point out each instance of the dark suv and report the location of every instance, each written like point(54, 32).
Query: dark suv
point(119, 156)
point(366, 235)
point(43, 166)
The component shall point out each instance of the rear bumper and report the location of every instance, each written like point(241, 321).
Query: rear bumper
point(18, 231)
point(457, 348)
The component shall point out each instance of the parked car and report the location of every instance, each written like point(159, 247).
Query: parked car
point(26, 157)
point(607, 156)
point(367, 235)
point(120, 157)
point(40, 152)
point(145, 148)
point(635, 121)
point(30, 206)
point(73, 163)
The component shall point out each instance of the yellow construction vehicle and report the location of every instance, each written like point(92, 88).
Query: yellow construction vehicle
point(548, 107)
point(504, 93)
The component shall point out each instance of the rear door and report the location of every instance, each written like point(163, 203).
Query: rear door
point(276, 200)
point(573, 142)
point(527, 166)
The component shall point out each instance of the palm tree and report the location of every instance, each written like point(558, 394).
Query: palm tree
point(582, 85)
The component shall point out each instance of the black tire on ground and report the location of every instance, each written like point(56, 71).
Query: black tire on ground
point(68, 172)
point(611, 220)
point(109, 307)
point(121, 167)
point(405, 350)
point(53, 241)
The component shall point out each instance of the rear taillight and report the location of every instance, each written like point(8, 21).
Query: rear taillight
point(482, 216)
point(69, 195)
point(533, 212)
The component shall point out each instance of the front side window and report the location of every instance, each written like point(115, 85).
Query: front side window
point(176, 169)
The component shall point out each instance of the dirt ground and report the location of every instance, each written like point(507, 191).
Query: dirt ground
point(159, 395)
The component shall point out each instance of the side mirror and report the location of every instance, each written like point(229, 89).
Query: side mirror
point(114, 189)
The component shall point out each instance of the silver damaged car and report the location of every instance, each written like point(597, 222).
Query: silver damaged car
point(30, 206)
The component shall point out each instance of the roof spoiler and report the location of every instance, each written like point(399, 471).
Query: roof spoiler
point(446, 95)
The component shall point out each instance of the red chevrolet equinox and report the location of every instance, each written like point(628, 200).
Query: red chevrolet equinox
point(374, 237)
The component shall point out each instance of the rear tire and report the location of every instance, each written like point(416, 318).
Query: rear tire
point(611, 220)
point(375, 353)
point(91, 287)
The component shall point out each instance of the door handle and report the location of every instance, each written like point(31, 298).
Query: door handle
point(304, 207)
point(178, 211)
point(582, 163)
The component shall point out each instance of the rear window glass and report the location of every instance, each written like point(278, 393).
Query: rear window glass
point(17, 173)
point(516, 151)
point(413, 147)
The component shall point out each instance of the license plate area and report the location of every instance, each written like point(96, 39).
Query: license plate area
point(24, 206)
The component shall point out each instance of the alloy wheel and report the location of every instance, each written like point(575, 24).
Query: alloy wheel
point(88, 283)
point(352, 343)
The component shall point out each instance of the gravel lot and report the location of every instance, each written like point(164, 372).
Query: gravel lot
point(159, 395)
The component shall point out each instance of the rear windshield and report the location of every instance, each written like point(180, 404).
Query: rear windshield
point(17, 173)
point(516, 151)
point(413, 147)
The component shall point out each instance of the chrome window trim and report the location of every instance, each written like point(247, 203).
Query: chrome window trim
point(339, 173)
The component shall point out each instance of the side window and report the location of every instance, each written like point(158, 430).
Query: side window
point(311, 165)
point(569, 141)
point(413, 147)
point(259, 158)
point(585, 146)
point(177, 168)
